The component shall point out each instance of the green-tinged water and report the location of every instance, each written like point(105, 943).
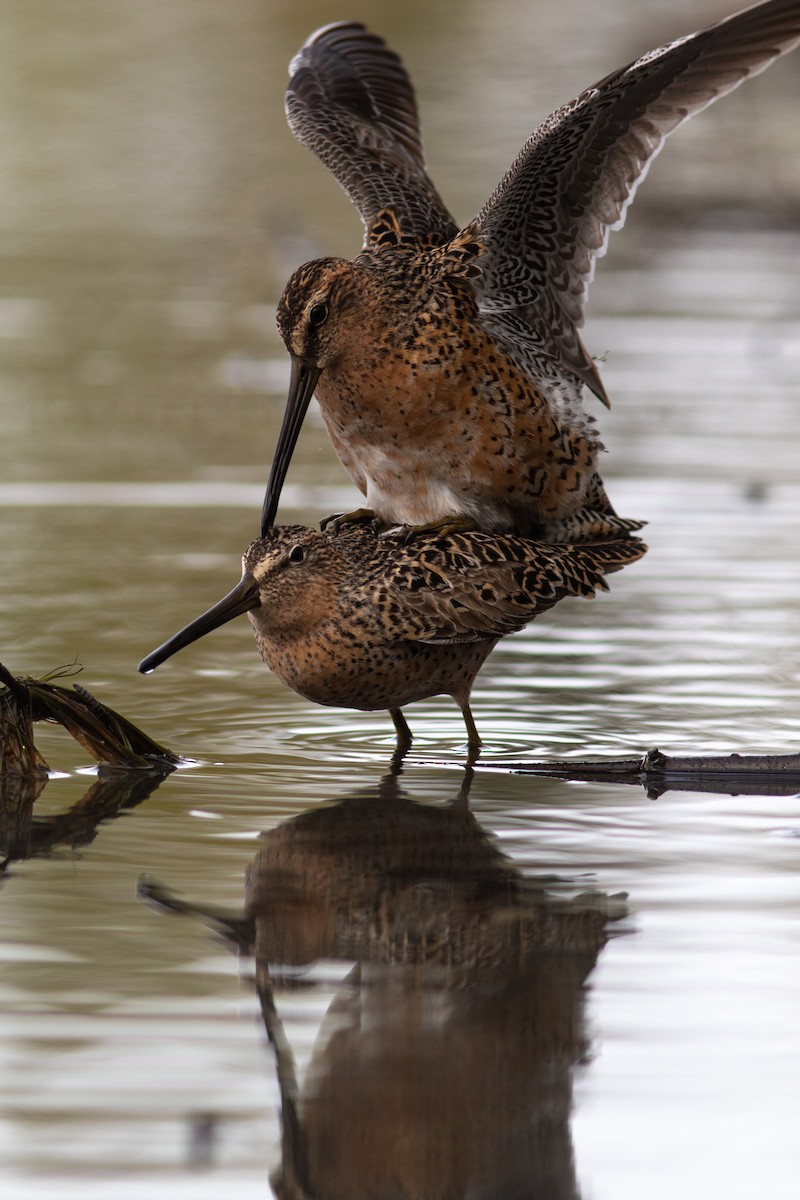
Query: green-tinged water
point(427, 964)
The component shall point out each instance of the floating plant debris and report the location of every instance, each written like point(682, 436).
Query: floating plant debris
point(111, 739)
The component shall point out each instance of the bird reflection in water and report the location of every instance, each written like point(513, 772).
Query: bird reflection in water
point(443, 1065)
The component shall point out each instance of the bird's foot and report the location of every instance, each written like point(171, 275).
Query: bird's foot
point(456, 523)
point(358, 516)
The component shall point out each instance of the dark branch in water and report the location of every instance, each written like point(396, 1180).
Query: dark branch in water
point(734, 774)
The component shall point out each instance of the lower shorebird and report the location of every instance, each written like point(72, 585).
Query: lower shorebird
point(359, 621)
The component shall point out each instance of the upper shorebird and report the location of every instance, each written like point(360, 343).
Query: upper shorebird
point(361, 621)
point(447, 362)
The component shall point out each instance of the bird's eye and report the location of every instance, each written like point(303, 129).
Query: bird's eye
point(317, 314)
point(296, 554)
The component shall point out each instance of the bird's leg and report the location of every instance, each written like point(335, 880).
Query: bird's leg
point(473, 752)
point(461, 802)
point(398, 756)
point(404, 738)
point(359, 516)
point(474, 742)
point(457, 523)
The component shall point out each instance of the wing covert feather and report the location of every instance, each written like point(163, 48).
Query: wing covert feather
point(464, 589)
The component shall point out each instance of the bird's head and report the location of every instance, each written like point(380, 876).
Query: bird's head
point(289, 581)
point(318, 318)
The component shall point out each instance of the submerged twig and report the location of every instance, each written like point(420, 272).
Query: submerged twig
point(23, 835)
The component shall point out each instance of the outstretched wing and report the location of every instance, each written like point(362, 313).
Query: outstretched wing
point(351, 102)
point(549, 218)
point(463, 588)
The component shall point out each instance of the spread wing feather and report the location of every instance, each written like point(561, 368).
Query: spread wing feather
point(549, 218)
point(351, 103)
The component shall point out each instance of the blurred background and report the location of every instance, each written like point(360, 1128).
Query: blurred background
point(152, 205)
point(153, 201)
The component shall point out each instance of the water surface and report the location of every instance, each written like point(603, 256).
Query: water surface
point(152, 204)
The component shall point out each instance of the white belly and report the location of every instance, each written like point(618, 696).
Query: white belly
point(407, 497)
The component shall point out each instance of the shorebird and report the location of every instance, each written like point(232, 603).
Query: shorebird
point(447, 361)
point(357, 620)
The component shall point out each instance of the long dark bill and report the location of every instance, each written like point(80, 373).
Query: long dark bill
point(240, 600)
point(301, 389)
